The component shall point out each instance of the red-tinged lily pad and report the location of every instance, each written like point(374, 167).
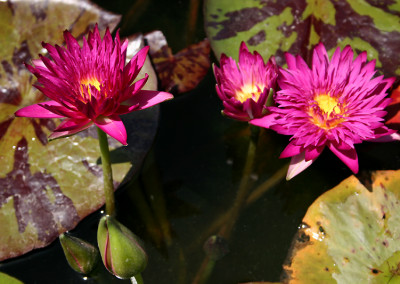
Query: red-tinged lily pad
point(183, 71)
point(350, 235)
point(273, 27)
point(393, 116)
point(46, 187)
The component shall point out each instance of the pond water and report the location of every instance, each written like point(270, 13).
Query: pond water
point(194, 169)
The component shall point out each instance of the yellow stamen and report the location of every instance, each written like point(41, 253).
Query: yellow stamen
point(324, 113)
point(248, 91)
point(327, 104)
point(90, 81)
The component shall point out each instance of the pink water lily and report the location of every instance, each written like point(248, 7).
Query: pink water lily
point(244, 88)
point(335, 104)
point(90, 85)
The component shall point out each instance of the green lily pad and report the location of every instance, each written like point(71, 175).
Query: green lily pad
point(273, 27)
point(46, 188)
point(350, 235)
point(4, 278)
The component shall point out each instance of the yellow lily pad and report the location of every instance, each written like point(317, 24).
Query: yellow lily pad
point(350, 235)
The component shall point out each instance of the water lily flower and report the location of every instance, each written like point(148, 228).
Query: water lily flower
point(245, 87)
point(90, 85)
point(335, 104)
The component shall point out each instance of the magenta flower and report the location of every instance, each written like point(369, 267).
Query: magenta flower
point(90, 85)
point(244, 89)
point(336, 104)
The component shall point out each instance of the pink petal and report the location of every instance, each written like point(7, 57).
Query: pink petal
point(141, 56)
point(387, 138)
point(114, 127)
point(73, 128)
point(297, 165)
point(290, 151)
point(348, 156)
point(38, 111)
point(73, 124)
point(145, 98)
point(313, 153)
point(266, 121)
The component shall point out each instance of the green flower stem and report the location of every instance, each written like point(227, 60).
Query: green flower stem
point(107, 173)
point(206, 269)
point(243, 186)
point(268, 184)
point(137, 279)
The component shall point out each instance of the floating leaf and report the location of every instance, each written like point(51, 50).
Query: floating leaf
point(183, 71)
point(273, 27)
point(47, 188)
point(4, 278)
point(350, 235)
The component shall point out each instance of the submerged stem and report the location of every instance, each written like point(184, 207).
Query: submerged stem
point(243, 186)
point(208, 264)
point(107, 173)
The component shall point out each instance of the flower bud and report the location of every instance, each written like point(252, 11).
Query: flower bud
point(121, 251)
point(81, 256)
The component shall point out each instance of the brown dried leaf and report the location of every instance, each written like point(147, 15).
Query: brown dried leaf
point(183, 71)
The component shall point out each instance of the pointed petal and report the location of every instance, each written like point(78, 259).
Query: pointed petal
point(146, 99)
point(313, 153)
point(114, 127)
point(72, 125)
point(38, 111)
point(348, 156)
point(290, 151)
point(297, 165)
point(387, 138)
point(266, 121)
point(72, 129)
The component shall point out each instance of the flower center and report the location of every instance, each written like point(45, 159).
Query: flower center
point(247, 92)
point(86, 83)
point(326, 112)
point(327, 104)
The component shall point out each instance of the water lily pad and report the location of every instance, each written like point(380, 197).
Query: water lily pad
point(272, 27)
point(350, 235)
point(4, 278)
point(46, 187)
point(180, 72)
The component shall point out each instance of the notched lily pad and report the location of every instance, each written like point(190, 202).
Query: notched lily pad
point(180, 72)
point(272, 27)
point(350, 235)
point(46, 187)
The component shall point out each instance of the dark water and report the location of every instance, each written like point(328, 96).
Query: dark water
point(195, 167)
